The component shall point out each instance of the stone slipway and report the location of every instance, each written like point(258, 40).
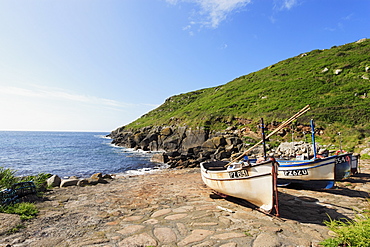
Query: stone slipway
point(174, 208)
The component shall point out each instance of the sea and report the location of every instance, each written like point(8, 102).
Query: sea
point(68, 154)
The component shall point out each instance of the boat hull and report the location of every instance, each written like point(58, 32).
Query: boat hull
point(255, 184)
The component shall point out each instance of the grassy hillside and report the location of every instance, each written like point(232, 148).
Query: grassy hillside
point(335, 82)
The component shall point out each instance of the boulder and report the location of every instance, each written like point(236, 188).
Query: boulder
point(82, 182)
point(68, 182)
point(171, 143)
point(194, 138)
point(53, 181)
point(107, 176)
point(167, 131)
point(337, 71)
point(173, 154)
point(294, 148)
point(324, 70)
point(97, 178)
point(208, 145)
point(148, 139)
point(138, 137)
point(214, 143)
point(219, 141)
point(233, 140)
point(365, 151)
point(222, 154)
point(153, 146)
point(160, 158)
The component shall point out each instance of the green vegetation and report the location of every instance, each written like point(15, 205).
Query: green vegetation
point(7, 178)
point(349, 233)
point(26, 210)
point(335, 82)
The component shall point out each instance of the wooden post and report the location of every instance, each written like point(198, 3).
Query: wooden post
point(263, 138)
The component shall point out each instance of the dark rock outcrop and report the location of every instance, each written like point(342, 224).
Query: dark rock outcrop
point(183, 146)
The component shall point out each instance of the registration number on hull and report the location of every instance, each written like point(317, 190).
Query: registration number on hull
point(238, 174)
point(300, 172)
point(341, 159)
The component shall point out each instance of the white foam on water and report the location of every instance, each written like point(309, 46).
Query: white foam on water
point(143, 171)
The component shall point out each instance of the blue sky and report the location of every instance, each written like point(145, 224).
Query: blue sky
point(95, 65)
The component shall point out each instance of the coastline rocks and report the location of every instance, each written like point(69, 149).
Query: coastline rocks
point(56, 181)
point(185, 147)
point(53, 181)
point(365, 151)
point(287, 149)
point(160, 158)
point(68, 182)
point(82, 182)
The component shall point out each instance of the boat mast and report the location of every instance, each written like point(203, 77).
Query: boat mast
point(313, 139)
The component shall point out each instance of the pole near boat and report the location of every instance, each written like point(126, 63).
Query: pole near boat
point(283, 125)
point(313, 139)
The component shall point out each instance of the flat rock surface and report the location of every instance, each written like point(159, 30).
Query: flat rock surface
point(175, 208)
point(9, 222)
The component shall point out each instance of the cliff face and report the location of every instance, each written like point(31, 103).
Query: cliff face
point(184, 146)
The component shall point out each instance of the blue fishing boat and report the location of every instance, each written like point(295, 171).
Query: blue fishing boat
point(318, 172)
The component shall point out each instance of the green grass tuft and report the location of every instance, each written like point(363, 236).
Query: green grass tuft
point(25, 210)
point(349, 232)
point(7, 178)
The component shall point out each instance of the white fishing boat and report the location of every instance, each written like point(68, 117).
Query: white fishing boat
point(252, 181)
point(255, 183)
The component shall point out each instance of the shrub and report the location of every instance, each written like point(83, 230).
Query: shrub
point(25, 210)
point(349, 232)
point(7, 178)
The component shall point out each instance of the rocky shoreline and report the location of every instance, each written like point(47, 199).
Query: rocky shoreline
point(184, 147)
point(174, 208)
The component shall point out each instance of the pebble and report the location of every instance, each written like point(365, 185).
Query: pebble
point(174, 208)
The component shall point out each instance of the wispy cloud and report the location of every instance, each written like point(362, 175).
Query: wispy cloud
point(59, 94)
point(212, 12)
point(348, 17)
point(281, 5)
point(285, 4)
